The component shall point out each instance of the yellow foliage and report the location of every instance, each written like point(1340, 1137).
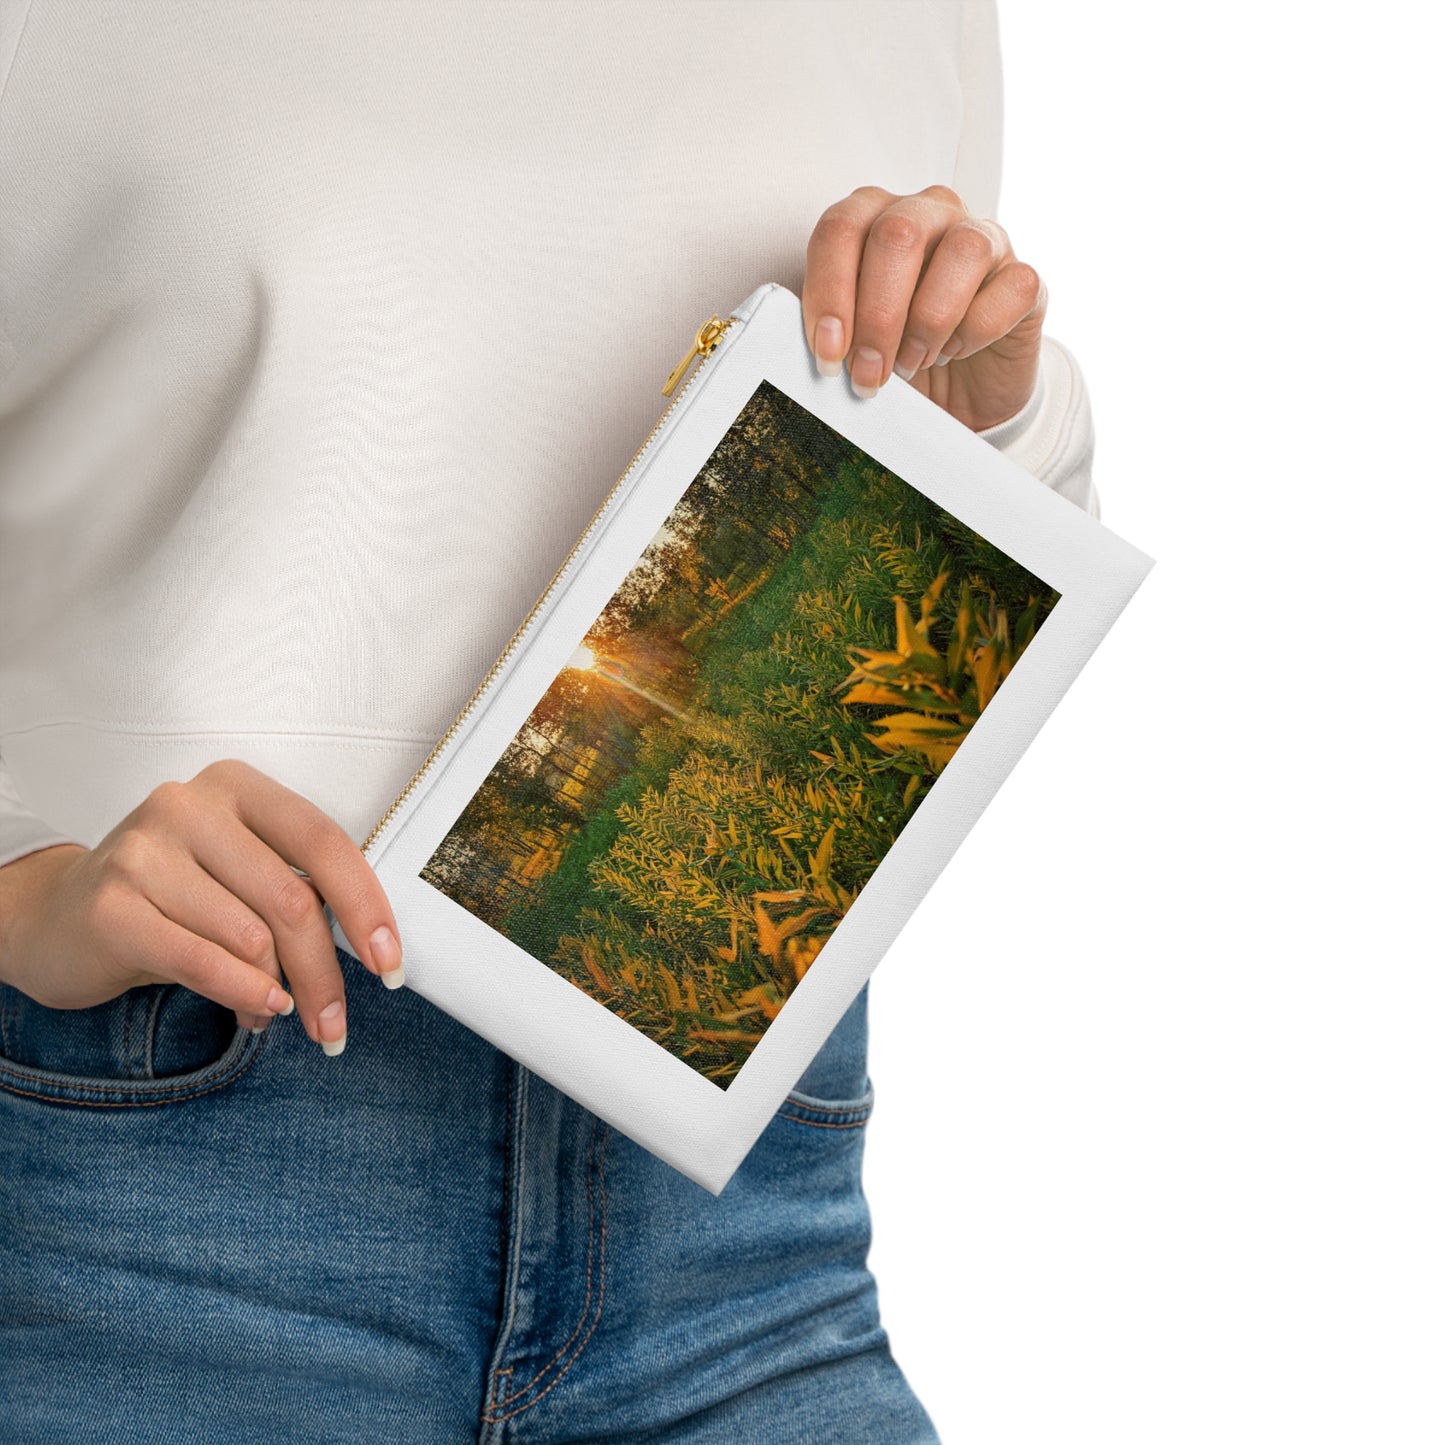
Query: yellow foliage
point(942, 695)
point(764, 998)
point(590, 962)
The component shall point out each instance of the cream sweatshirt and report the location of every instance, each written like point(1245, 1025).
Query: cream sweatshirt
point(324, 329)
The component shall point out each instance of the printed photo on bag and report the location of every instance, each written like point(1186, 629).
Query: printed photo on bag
point(703, 792)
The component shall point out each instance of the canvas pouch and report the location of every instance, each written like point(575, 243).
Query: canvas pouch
point(750, 720)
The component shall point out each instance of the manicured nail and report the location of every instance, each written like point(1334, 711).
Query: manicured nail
point(944, 357)
point(279, 1001)
point(828, 345)
point(331, 1024)
point(910, 357)
point(866, 373)
point(386, 954)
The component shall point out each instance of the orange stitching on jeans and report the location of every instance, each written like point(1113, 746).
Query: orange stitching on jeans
point(819, 1124)
point(500, 1383)
point(171, 1098)
point(601, 1294)
point(586, 1295)
point(586, 1302)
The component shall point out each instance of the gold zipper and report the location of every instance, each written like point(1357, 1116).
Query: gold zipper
point(702, 345)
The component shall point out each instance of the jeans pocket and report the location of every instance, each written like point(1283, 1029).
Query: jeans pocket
point(827, 1113)
point(158, 1043)
point(835, 1091)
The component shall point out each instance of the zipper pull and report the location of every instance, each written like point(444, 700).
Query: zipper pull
point(702, 343)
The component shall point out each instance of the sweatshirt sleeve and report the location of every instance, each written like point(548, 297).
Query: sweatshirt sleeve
point(1053, 436)
point(21, 832)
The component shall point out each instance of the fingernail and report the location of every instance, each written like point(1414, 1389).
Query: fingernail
point(331, 1024)
point(259, 1028)
point(828, 345)
point(945, 357)
point(910, 357)
point(386, 954)
point(866, 373)
point(279, 1001)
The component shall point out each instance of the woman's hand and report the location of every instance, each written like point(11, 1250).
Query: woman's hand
point(915, 285)
point(196, 886)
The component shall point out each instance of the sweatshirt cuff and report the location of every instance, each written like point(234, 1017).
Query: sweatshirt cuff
point(1053, 435)
point(21, 832)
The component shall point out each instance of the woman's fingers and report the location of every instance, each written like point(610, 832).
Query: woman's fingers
point(899, 241)
point(1013, 295)
point(282, 857)
point(308, 839)
point(830, 285)
point(156, 947)
point(998, 350)
point(245, 865)
point(864, 260)
point(966, 255)
point(188, 895)
point(899, 283)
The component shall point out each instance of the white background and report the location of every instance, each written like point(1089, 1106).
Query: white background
point(1159, 1149)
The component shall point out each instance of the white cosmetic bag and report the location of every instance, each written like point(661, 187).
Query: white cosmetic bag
point(754, 714)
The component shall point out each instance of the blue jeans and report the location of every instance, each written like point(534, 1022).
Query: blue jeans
point(207, 1234)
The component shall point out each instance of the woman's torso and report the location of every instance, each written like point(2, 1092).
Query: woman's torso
point(324, 329)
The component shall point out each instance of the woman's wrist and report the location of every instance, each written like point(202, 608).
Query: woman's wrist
point(22, 881)
point(1006, 433)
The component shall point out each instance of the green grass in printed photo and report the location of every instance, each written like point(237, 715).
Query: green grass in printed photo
point(702, 793)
